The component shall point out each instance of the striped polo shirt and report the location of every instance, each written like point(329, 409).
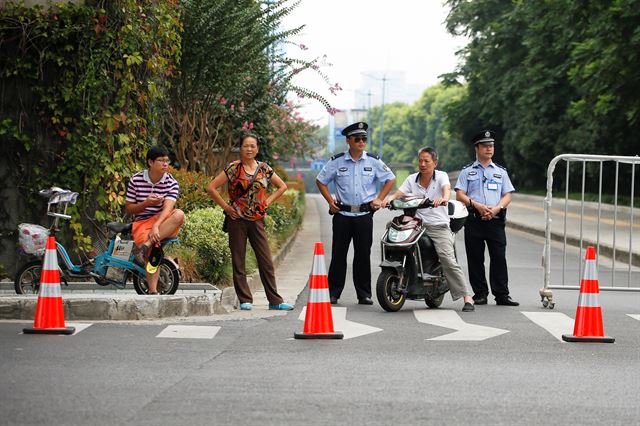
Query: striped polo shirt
point(140, 187)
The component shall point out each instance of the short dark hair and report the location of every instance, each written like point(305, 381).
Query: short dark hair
point(430, 151)
point(155, 152)
point(249, 135)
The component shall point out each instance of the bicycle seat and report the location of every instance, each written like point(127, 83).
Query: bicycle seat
point(119, 227)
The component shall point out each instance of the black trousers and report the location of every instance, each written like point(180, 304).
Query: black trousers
point(477, 232)
point(360, 230)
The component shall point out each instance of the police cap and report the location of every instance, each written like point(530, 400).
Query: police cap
point(484, 137)
point(355, 129)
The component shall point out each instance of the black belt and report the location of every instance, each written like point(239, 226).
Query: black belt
point(362, 208)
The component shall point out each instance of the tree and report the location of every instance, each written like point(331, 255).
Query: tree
point(232, 79)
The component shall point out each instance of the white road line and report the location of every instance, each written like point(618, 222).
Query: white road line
point(555, 323)
point(189, 332)
point(635, 316)
point(451, 319)
point(350, 329)
point(79, 326)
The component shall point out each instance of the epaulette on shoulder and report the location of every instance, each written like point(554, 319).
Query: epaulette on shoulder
point(337, 156)
point(501, 166)
point(468, 165)
point(373, 156)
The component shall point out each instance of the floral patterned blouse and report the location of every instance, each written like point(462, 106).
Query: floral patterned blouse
point(250, 204)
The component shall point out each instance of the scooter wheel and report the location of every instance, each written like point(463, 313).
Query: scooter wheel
point(387, 292)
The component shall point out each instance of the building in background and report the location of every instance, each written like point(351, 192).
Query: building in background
point(339, 121)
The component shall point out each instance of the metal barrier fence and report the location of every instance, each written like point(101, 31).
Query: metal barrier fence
point(611, 248)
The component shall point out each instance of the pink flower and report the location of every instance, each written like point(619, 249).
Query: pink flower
point(251, 125)
point(245, 126)
point(332, 111)
point(232, 107)
point(222, 101)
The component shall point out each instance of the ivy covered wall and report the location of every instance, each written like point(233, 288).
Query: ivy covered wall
point(81, 90)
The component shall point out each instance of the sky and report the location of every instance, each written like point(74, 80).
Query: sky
point(375, 37)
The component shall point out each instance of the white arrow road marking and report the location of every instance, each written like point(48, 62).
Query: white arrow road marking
point(634, 316)
point(350, 329)
point(79, 326)
point(189, 332)
point(450, 319)
point(555, 323)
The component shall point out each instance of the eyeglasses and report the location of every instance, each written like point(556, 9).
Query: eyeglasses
point(163, 160)
point(359, 138)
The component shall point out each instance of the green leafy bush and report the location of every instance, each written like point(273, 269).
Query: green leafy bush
point(202, 231)
point(204, 249)
point(286, 213)
point(193, 190)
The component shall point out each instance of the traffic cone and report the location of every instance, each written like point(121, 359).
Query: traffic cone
point(318, 321)
point(49, 317)
point(588, 326)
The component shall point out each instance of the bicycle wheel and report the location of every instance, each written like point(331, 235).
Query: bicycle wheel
point(27, 280)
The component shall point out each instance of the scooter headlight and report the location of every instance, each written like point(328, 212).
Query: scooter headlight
point(396, 236)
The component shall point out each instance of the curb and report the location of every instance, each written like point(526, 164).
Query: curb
point(108, 307)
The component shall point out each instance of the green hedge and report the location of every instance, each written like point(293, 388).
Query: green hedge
point(203, 252)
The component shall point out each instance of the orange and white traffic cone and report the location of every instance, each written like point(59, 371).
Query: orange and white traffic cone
point(318, 321)
point(588, 326)
point(49, 317)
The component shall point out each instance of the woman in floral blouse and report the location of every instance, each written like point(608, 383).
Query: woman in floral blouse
point(247, 181)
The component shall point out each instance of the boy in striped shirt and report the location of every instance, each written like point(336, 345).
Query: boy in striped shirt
point(151, 198)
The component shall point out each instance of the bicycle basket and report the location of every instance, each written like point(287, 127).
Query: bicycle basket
point(32, 238)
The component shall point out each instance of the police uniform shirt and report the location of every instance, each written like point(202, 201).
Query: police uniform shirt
point(433, 191)
point(486, 185)
point(355, 180)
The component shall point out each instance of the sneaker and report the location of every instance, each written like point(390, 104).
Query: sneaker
point(246, 306)
point(281, 307)
point(156, 254)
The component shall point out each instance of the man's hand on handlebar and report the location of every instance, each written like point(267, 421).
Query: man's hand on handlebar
point(440, 202)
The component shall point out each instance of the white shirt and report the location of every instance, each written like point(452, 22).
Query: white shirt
point(411, 186)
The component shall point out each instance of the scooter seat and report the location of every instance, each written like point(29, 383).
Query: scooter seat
point(119, 227)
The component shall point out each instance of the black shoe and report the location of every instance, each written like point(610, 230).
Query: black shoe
point(333, 300)
point(365, 301)
point(480, 300)
point(468, 307)
point(506, 301)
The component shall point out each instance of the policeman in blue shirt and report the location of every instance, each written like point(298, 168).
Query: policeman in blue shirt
point(355, 174)
point(485, 188)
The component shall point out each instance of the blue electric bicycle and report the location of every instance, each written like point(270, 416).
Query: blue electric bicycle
point(114, 266)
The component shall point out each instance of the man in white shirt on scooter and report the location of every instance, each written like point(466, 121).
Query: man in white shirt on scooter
point(434, 184)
